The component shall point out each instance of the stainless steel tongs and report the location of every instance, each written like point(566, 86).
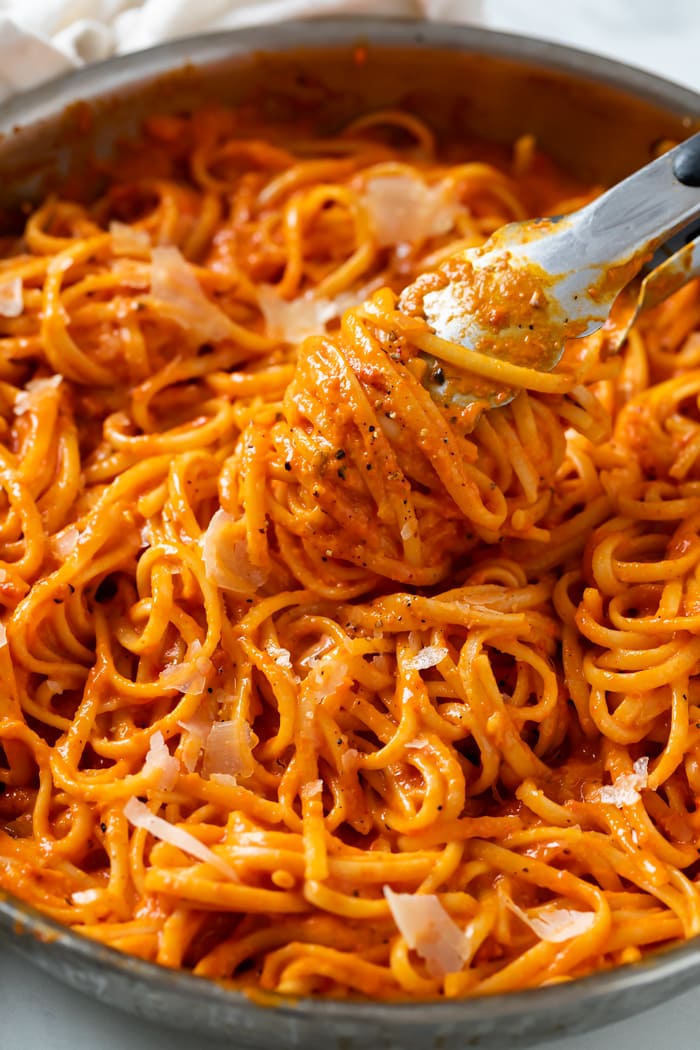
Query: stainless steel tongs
point(558, 278)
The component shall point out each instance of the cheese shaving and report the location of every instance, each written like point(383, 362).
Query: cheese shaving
point(554, 924)
point(139, 815)
point(403, 210)
point(133, 274)
point(196, 731)
point(226, 559)
point(228, 750)
point(295, 319)
point(327, 677)
point(429, 930)
point(281, 656)
point(11, 297)
point(25, 398)
point(427, 657)
point(85, 896)
point(180, 298)
point(311, 790)
point(65, 542)
point(159, 758)
point(191, 675)
point(348, 760)
point(128, 239)
point(625, 790)
point(3, 636)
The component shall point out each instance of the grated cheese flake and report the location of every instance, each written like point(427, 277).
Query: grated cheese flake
point(429, 656)
point(139, 815)
point(429, 930)
point(191, 675)
point(85, 896)
point(228, 750)
point(11, 297)
point(552, 923)
point(294, 319)
point(65, 542)
point(128, 239)
point(625, 789)
point(404, 210)
point(226, 558)
point(159, 758)
point(196, 730)
point(313, 789)
point(25, 398)
point(180, 298)
point(279, 654)
point(134, 274)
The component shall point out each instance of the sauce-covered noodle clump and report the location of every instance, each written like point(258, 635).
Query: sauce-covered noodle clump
point(319, 675)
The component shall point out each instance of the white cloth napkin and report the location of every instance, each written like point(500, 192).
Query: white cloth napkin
point(41, 38)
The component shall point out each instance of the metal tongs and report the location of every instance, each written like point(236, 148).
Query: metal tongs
point(535, 284)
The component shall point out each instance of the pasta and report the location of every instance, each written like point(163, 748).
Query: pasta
point(320, 675)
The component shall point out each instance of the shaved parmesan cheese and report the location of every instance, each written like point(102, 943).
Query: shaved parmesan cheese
point(25, 398)
point(641, 768)
point(294, 319)
point(390, 428)
point(64, 542)
point(228, 750)
point(554, 924)
point(313, 656)
point(55, 687)
point(225, 779)
point(281, 656)
point(181, 299)
point(404, 210)
point(327, 677)
point(11, 297)
point(135, 274)
point(348, 761)
point(197, 730)
point(127, 239)
point(408, 530)
point(159, 758)
point(427, 657)
point(3, 636)
point(85, 896)
point(190, 676)
point(428, 929)
point(625, 790)
point(226, 557)
point(138, 814)
point(382, 664)
point(311, 790)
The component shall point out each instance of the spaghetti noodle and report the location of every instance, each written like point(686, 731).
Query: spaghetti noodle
point(313, 681)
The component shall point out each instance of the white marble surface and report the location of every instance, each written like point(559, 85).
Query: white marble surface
point(37, 1013)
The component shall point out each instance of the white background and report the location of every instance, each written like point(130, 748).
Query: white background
point(37, 1013)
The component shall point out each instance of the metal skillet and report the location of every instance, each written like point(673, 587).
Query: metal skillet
point(501, 86)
